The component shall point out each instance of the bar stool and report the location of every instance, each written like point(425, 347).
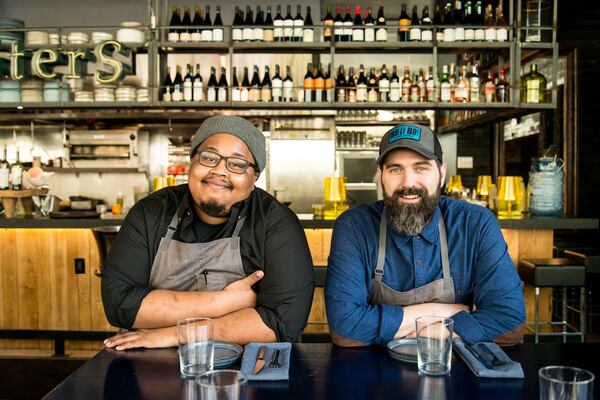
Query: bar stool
point(555, 273)
point(591, 260)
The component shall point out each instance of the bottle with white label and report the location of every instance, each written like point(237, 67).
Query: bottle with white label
point(236, 93)
point(223, 86)
point(358, 33)
point(288, 85)
point(207, 33)
point(16, 173)
point(288, 25)
point(475, 85)
point(490, 24)
point(277, 86)
point(217, 32)
point(384, 85)
point(248, 30)
point(414, 34)
point(258, 25)
point(245, 89)
point(211, 89)
point(395, 85)
point(236, 28)
point(278, 26)
point(187, 84)
point(348, 23)
point(381, 32)
point(197, 86)
point(445, 87)
point(426, 31)
point(298, 26)
point(361, 85)
point(308, 32)
point(177, 86)
point(4, 170)
point(459, 29)
point(369, 26)
point(479, 22)
point(501, 31)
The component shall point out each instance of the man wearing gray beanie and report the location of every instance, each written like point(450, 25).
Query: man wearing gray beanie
point(217, 247)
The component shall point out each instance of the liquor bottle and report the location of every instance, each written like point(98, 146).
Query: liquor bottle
point(475, 85)
point(223, 86)
point(328, 23)
point(415, 90)
point(207, 32)
point(404, 23)
point(358, 32)
point(502, 88)
point(177, 86)
point(501, 31)
point(308, 84)
point(340, 86)
point(384, 85)
point(211, 88)
point(268, 33)
point(266, 86)
point(4, 170)
point(369, 26)
point(236, 29)
point(426, 31)
point(395, 85)
point(347, 26)
point(197, 86)
point(452, 80)
point(288, 25)
point(351, 87)
point(197, 23)
point(255, 86)
point(248, 30)
point(431, 94)
point(459, 29)
point(490, 24)
point(381, 33)
point(437, 21)
point(338, 23)
point(372, 92)
point(479, 22)
point(448, 19)
point(187, 84)
point(422, 86)
point(258, 32)
point(308, 34)
point(329, 85)
point(468, 21)
point(445, 87)
point(415, 30)
point(245, 88)
point(318, 93)
point(217, 32)
point(236, 90)
point(489, 88)
point(278, 26)
point(16, 173)
point(461, 94)
point(277, 84)
point(298, 25)
point(406, 82)
point(288, 86)
point(361, 85)
point(167, 86)
point(175, 21)
point(186, 34)
point(533, 86)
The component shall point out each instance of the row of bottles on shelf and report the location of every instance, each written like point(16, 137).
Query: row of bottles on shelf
point(456, 85)
point(471, 23)
point(11, 174)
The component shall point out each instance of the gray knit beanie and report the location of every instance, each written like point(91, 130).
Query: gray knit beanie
point(236, 126)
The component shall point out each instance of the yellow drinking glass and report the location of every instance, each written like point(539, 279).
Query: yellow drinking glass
point(454, 185)
point(334, 196)
point(509, 197)
point(483, 186)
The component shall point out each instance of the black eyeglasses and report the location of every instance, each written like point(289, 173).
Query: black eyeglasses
point(233, 164)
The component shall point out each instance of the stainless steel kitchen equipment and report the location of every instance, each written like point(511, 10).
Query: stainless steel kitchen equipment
point(103, 148)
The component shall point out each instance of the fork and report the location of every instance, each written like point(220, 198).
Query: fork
point(274, 363)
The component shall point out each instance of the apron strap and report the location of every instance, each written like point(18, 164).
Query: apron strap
point(164, 244)
point(238, 227)
point(382, 243)
point(444, 253)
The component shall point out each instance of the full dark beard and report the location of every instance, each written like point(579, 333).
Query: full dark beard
point(411, 219)
point(213, 208)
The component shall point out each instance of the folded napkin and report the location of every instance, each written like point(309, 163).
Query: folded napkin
point(485, 351)
point(267, 373)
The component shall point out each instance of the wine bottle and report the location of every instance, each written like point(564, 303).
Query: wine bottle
point(426, 31)
point(468, 21)
point(490, 24)
point(448, 19)
point(177, 86)
point(381, 33)
point(167, 86)
point(501, 31)
point(308, 34)
point(175, 21)
point(268, 33)
point(223, 86)
point(328, 24)
point(478, 20)
point(278, 26)
point(445, 87)
point(395, 85)
point(318, 85)
point(211, 88)
point(277, 84)
point(452, 80)
point(255, 86)
point(474, 85)
point(197, 23)
point(197, 85)
point(404, 23)
point(265, 86)
point(459, 29)
point(351, 87)
point(298, 25)
point(217, 32)
point(422, 86)
point(431, 90)
point(489, 88)
point(236, 30)
point(414, 90)
point(358, 33)
point(415, 30)
point(328, 85)
point(369, 26)
point(288, 25)
point(347, 37)
point(461, 94)
point(340, 85)
point(248, 30)
point(187, 84)
point(308, 84)
point(185, 33)
point(502, 88)
point(16, 173)
point(288, 86)
point(207, 33)
point(372, 92)
point(4, 170)
point(384, 85)
point(338, 23)
point(236, 92)
point(245, 89)
point(258, 25)
point(361, 85)
point(437, 21)
point(406, 83)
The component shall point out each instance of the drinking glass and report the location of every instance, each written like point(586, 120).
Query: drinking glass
point(196, 349)
point(434, 344)
point(223, 384)
point(558, 382)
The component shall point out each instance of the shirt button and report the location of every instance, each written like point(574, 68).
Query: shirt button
point(418, 262)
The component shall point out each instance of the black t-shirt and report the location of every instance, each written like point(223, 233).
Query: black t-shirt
point(271, 239)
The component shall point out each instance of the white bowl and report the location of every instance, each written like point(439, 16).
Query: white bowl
point(131, 35)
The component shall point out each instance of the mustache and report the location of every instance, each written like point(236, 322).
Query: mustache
point(409, 192)
point(217, 180)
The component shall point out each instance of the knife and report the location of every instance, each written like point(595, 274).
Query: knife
point(479, 356)
point(260, 360)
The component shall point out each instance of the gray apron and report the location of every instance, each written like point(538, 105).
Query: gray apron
point(439, 291)
point(196, 266)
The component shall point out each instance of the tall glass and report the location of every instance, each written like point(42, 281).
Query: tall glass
point(334, 196)
point(559, 382)
point(483, 185)
point(196, 346)
point(224, 384)
point(510, 197)
point(434, 344)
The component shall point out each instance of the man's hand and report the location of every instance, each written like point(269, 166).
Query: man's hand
point(148, 338)
point(243, 287)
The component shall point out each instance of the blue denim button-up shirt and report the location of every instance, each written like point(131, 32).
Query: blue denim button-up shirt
point(483, 273)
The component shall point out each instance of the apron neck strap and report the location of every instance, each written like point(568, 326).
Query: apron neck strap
point(444, 252)
point(382, 242)
point(164, 245)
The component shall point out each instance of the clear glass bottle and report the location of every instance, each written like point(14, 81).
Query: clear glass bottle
point(533, 86)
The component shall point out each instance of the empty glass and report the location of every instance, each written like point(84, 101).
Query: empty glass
point(559, 382)
point(224, 384)
point(434, 344)
point(196, 346)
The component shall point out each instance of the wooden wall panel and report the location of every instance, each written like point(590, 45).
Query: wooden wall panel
point(8, 283)
point(317, 319)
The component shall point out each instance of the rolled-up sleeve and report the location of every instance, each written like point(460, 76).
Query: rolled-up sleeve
point(347, 288)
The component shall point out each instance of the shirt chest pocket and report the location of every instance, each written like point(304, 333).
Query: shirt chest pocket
point(214, 279)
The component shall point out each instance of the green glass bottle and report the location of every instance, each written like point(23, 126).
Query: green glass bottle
point(533, 86)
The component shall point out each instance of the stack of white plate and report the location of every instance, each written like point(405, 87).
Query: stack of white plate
point(55, 38)
point(7, 38)
point(31, 91)
point(78, 37)
point(85, 96)
point(10, 91)
point(104, 93)
point(55, 91)
point(125, 93)
point(131, 33)
point(98, 37)
point(143, 95)
point(36, 37)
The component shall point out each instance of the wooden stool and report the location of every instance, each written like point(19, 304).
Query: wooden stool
point(555, 273)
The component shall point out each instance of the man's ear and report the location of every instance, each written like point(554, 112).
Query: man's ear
point(256, 175)
point(442, 175)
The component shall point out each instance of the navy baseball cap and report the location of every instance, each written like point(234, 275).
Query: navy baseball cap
point(414, 137)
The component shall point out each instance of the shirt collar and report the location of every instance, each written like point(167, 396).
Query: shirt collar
point(429, 233)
